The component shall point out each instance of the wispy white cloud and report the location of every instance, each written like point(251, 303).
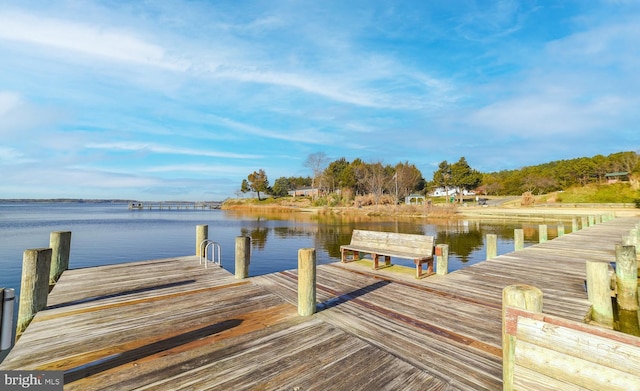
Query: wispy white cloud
point(488, 22)
point(9, 101)
point(162, 149)
point(309, 136)
point(199, 169)
point(19, 117)
point(101, 41)
point(11, 156)
point(540, 116)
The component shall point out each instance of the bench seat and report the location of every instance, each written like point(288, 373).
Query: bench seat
point(419, 248)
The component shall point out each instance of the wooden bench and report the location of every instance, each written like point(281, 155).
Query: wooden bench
point(389, 244)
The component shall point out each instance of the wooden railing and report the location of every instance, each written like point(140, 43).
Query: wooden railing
point(542, 352)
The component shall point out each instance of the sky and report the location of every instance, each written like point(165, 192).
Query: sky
point(182, 100)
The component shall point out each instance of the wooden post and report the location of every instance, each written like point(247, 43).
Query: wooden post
point(523, 297)
point(34, 288)
point(60, 243)
point(628, 322)
point(599, 292)
point(202, 234)
point(629, 240)
point(560, 229)
point(627, 277)
point(2, 315)
point(574, 224)
point(592, 220)
point(584, 222)
point(243, 256)
point(306, 281)
point(632, 240)
point(492, 246)
point(442, 260)
point(6, 317)
point(518, 239)
point(542, 233)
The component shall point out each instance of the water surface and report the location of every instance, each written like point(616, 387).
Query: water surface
point(111, 233)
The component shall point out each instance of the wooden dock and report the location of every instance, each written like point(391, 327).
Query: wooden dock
point(170, 324)
point(175, 205)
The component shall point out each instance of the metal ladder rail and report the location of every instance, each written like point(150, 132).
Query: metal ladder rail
point(205, 246)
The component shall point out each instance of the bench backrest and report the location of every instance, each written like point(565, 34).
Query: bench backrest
point(408, 243)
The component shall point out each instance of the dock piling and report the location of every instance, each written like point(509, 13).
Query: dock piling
point(442, 259)
point(627, 277)
point(243, 256)
point(542, 233)
point(599, 292)
point(36, 266)
point(518, 239)
point(492, 246)
point(60, 243)
point(8, 296)
point(306, 281)
point(525, 297)
point(202, 234)
point(632, 238)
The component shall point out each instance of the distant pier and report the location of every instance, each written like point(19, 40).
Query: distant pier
point(176, 205)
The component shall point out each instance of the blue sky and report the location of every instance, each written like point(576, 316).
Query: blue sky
point(181, 100)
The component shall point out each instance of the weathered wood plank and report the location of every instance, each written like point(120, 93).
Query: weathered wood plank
point(582, 343)
point(528, 380)
point(573, 370)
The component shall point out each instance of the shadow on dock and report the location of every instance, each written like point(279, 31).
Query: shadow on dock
point(121, 294)
point(341, 299)
point(138, 353)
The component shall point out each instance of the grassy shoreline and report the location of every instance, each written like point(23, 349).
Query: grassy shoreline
point(452, 211)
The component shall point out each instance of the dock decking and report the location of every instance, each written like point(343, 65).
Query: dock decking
point(171, 324)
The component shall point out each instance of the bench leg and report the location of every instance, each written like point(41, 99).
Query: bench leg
point(419, 268)
point(375, 261)
point(355, 255)
point(387, 260)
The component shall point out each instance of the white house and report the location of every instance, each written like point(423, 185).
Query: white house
point(440, 192)
point(305, 192)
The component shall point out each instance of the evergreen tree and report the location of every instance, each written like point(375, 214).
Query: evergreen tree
point(258, 182)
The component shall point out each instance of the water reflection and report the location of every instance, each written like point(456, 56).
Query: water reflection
point(326, 232)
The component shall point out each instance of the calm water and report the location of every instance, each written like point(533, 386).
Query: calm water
point(111, 233)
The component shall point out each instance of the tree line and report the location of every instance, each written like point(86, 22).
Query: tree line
point(560, 174)
point(381, 181)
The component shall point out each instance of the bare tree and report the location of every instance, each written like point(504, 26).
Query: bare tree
point(316, 162)
point(376, 179)
point(408, 179)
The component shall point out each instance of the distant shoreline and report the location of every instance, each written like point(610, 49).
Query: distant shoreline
point(63, 200)
point(443, 211)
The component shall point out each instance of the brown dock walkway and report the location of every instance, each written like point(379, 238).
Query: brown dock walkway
point(171, 324)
